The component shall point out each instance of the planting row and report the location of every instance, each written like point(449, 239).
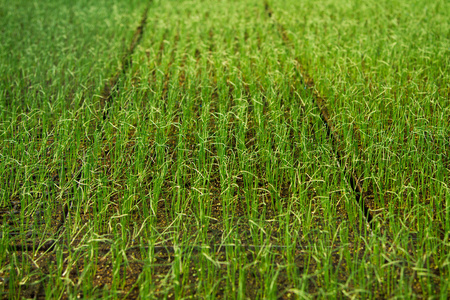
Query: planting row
point(384, 73)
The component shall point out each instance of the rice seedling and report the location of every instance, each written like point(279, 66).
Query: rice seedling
point(173, 149)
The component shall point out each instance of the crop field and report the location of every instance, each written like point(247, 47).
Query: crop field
point(257, 149)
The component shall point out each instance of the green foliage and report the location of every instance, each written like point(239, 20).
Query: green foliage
point(206, 169)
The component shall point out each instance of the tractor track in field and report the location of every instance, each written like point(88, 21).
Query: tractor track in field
point(126, 62)
point(321, 102)
point(106, 99)
point(105, 102)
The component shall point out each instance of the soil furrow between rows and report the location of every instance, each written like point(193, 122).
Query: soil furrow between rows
point(321, 102)
point(106, 95)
